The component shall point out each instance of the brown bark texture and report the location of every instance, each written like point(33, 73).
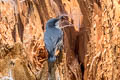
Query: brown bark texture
point(91, 44)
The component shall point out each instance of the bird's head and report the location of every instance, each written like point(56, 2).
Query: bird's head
point(54, 22)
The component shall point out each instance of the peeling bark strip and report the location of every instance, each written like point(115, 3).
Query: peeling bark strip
point(90, 53)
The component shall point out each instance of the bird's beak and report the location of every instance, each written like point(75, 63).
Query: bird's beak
point(61, 17)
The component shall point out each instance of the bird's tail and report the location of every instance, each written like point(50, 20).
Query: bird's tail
point(52, 59)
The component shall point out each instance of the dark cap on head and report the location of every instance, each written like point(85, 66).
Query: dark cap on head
point(51, 22)
point(62, 17)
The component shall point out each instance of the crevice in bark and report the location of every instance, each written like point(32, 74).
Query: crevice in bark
point(59, 4)
point(98, 3)
point(40, 10)
point(14, 33)
point(82, 70)
point(20, 28)
point(30, 8)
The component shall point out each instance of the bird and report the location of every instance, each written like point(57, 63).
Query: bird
point(53, 38)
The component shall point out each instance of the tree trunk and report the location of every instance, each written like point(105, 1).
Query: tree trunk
point(91, 44)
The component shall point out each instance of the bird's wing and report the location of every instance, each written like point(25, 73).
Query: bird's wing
point(57, 36)
point(48, 43)
point(51, 38)
point(60, 37)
